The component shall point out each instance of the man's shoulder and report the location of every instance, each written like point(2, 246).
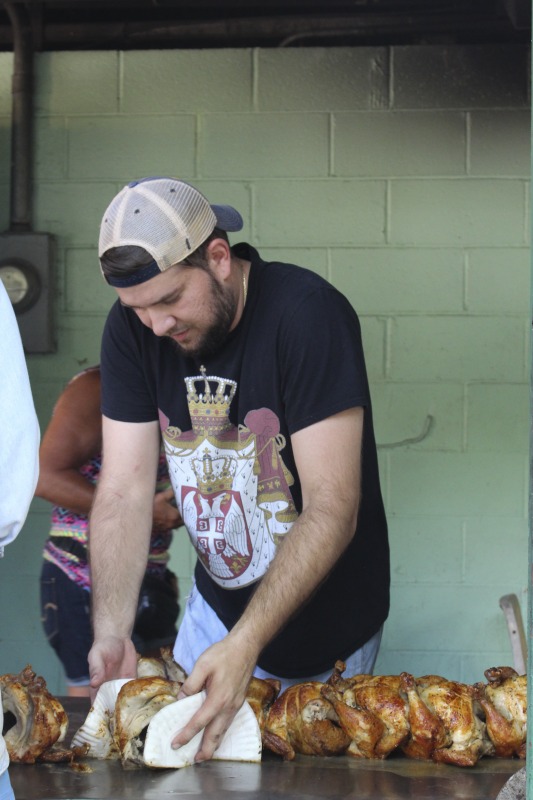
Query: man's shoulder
point(276, 269)
point(300, 289)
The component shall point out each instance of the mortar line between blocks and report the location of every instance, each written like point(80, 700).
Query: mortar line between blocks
point(255, 79)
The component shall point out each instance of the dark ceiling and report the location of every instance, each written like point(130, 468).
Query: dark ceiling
point(142, 24)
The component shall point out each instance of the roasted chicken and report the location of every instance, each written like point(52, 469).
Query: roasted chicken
point(162, 666)
point(364, 716)
point(461, 736)
point(137, 702)
point(302, 720)
point(504, 701)
point(426, 731)
point(35, 722)
point(372, 710)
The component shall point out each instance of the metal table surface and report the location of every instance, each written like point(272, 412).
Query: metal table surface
point(305, 778)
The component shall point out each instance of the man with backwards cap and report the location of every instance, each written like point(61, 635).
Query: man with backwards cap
point(253, 374)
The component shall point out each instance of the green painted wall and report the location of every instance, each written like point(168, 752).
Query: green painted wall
point(402, 176)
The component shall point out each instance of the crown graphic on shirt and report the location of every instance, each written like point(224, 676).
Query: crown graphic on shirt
point(209, 399)
point(214, 474)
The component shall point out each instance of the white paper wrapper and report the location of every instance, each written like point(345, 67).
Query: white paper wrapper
point(241, 742)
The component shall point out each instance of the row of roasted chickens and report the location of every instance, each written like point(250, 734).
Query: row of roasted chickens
point(363, 716)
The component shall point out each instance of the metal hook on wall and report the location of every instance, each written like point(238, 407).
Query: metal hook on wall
point(426, 430)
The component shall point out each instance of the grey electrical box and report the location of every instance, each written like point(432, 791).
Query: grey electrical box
point(26, 271)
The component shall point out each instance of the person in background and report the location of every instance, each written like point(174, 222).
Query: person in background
point(19, 458)
point(254, 374)
point(70, 462)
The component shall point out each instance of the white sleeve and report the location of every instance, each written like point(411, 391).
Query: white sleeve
point(19, 428)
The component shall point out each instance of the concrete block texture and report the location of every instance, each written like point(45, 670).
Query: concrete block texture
point(500, 142)
point(497, 418)
point(51, 148)
point(456, 484)
point(264, 145)
point(73, 210)
point(432, 609)
point(466, 348)
point(414, 541)
point(106, 148)
point(86, 291)
point(424, 416)
point(399, 143)
point(399, 174)
point(86, 82)
point(485, 537)
point(466, 667)
point(322, 79)
point(316, 213)
point(457, 212)
point(315, 259)
point(498, 280)
point(460, 76)
point(399, 280)
point(186, 81)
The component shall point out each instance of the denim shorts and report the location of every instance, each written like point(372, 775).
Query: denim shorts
point(66, 620)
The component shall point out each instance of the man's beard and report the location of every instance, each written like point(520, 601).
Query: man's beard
point(223, 307)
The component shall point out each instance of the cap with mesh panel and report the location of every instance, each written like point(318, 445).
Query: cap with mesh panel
point(167, 217)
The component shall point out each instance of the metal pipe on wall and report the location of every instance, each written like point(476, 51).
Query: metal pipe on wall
point(22, 120)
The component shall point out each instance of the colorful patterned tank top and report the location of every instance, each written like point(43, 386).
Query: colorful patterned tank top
point(66, 523)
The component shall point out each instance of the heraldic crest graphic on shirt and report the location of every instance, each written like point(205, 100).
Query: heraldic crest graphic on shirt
point(230, 482)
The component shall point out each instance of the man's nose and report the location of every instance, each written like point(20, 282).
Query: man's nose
point(161, 322)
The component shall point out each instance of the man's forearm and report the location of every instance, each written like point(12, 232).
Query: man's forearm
point(118, 551)
point(304, 559)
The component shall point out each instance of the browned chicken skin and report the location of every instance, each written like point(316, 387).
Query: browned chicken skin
point(427, 718)
point(504, 701)
point(261, 694)
point(364, 716)
point(372, 709)
point(453, 704)
point(301, 720)
point(40, 721)
point(162, 666)
point(426, 731)
point(362, 727)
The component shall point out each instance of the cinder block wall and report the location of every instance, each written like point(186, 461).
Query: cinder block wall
point(402, 176)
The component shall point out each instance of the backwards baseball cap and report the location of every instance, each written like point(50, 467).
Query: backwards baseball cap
point(167, 217)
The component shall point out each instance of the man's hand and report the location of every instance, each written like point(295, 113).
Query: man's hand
point(224, 671)
point(110, 658)
point(166, 515)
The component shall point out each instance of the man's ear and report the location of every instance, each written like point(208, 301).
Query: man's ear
point(219, 258)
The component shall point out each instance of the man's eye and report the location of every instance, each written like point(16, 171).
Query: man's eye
point(171, 300)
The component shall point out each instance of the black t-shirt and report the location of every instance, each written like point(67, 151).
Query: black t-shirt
point(294, 359)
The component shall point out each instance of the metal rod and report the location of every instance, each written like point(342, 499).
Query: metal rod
point(21, 123)
point(268, 30)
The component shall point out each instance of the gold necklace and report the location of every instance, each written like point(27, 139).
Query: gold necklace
point(244, 287)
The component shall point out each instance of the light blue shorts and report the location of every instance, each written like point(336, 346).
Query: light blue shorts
point(201, 627)
point(6, 791)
